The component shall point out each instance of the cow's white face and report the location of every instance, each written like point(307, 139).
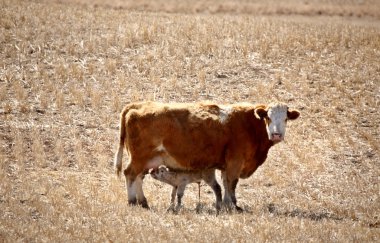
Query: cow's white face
point(275, 117)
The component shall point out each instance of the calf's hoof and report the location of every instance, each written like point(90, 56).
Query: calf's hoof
point(170, 209)
point(199, 208)
point(174, 209)
point(177, 209)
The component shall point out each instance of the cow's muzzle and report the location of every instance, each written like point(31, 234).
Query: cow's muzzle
point(277, 137)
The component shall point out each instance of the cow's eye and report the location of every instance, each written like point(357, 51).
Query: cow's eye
point(268, 120)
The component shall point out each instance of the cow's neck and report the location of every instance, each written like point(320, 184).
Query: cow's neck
point(263, 145)
point(262, 137)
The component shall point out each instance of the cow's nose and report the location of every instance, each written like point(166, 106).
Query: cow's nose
point(276, 136)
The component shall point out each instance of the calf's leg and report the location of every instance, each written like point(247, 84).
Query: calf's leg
point(172, 200)
point(180, 193)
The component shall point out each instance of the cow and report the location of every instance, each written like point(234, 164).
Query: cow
point(234, 138)
point(180, 179)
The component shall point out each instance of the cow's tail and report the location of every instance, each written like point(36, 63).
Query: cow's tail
point(118, 162)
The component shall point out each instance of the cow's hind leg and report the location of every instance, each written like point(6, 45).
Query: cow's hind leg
point(134, 186)
point(131, 185)
point(141, 199)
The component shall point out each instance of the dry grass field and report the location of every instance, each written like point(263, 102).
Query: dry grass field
point(68, 67)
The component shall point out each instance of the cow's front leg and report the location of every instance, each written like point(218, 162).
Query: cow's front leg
point(227, 201)
point(233, 197)
point(213, 183)
point(230, 183)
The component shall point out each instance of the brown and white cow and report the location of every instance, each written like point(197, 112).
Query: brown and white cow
point(180, 179)
point(234, 138)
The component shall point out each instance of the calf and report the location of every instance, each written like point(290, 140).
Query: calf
point(180, 179)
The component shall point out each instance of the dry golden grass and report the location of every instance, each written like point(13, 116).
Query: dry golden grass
point(67, 70)
point(347, 8)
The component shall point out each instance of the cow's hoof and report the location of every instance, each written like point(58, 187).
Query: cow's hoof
point(132, 202)
point(144, 204)
point(228, 206)
point(218, 207)
point(218, 210)
point(239, 209)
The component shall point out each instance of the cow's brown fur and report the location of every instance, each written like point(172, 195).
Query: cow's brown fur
point(192, 137)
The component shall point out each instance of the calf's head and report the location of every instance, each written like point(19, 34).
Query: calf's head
point(157, 173)
point(275, 117)
point(163, 174)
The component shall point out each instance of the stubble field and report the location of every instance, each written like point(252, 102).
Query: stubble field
point(68, 67)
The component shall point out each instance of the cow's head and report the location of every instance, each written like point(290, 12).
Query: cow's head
point(275, 117)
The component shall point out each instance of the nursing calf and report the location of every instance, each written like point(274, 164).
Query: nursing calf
point(233, 138)
point(180, 179)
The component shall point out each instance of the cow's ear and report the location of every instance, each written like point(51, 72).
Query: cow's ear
point(293, 114)
point(260, 113)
